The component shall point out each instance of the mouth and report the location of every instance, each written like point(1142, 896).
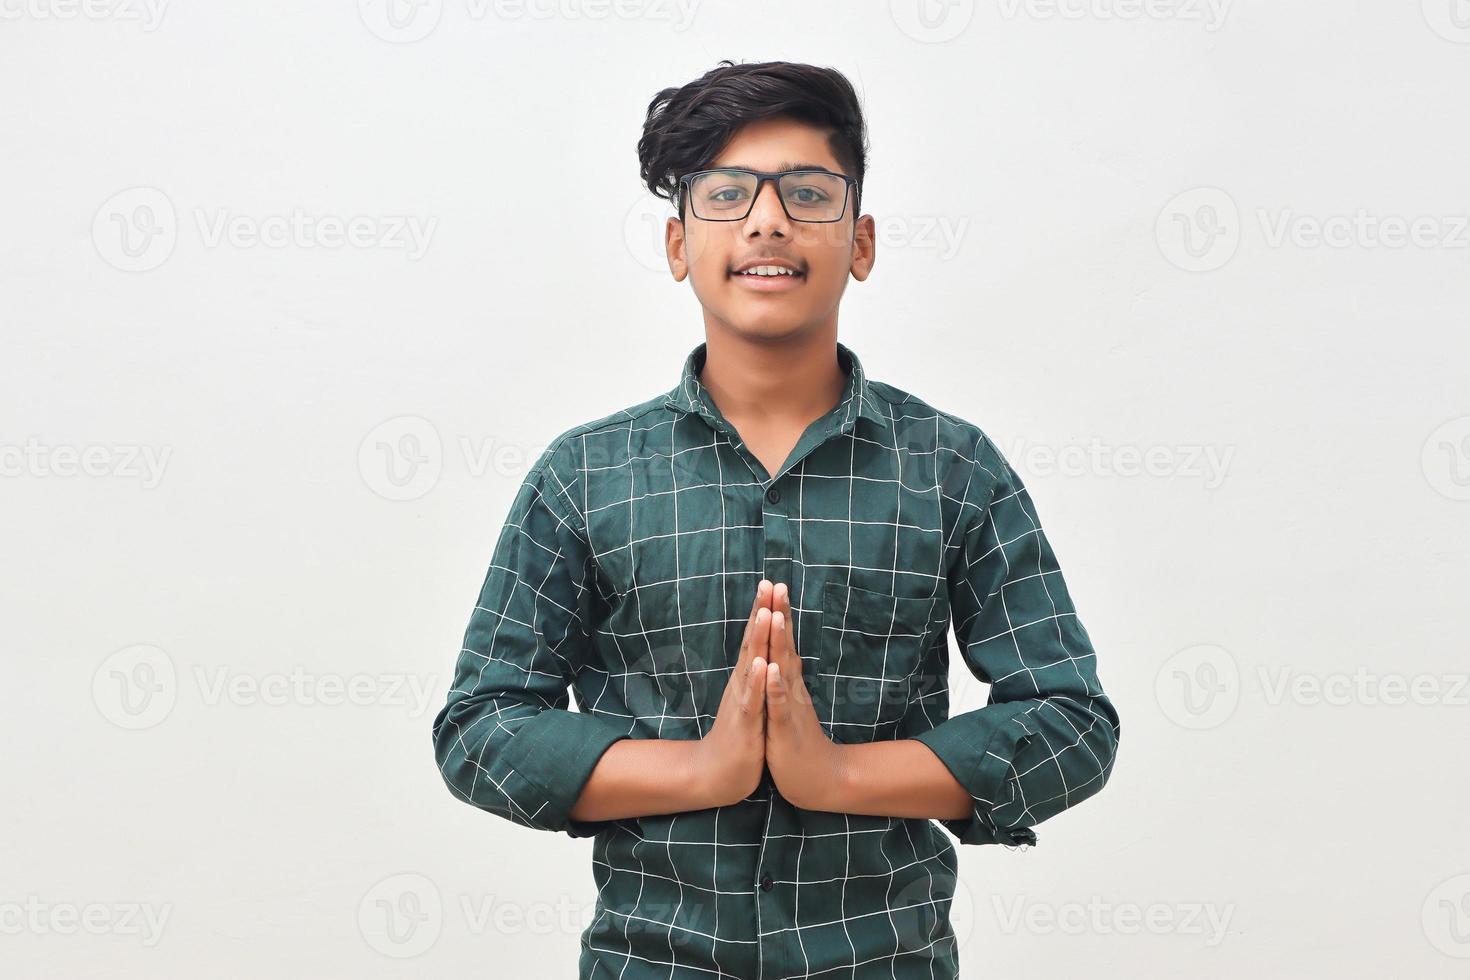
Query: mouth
point(769, 279)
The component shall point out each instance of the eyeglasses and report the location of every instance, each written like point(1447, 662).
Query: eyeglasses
point(728, 193)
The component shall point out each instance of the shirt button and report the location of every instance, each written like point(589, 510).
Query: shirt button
point(773, 495)
point(765, 883)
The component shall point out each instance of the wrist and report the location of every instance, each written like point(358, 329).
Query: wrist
point(831, 789)
point(703, 778)
point(840, 786)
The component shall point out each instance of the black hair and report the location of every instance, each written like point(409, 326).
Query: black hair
point(687, 126)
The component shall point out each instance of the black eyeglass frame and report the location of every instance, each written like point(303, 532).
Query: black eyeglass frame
point(761, 176)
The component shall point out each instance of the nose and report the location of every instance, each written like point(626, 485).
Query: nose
point(767, 217)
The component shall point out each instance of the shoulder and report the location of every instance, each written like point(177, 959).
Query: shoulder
point(960, 444)
point(595, 444)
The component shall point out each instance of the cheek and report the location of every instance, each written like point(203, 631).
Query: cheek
point(709, 279)
point(707, 258)
point(828, 275)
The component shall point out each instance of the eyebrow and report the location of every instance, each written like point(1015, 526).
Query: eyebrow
point(779, 167)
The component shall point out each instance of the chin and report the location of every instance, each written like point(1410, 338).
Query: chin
point(764, 325)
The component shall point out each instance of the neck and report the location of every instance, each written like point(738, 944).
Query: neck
point(789, 379)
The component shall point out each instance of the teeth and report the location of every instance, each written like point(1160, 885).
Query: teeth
point(768, 270)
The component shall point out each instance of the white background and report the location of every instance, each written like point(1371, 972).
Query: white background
point(1165, 229)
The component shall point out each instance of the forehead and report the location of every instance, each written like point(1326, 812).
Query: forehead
point(778, 143)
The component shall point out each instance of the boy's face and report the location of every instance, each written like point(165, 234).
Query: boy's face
point(824, 253)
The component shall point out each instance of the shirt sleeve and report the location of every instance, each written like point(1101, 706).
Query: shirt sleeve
point(506, 741)
point(1048, 735)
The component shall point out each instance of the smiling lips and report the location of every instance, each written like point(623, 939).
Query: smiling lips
point(767, 278)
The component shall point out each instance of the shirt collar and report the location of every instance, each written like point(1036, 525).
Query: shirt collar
point(858, 397)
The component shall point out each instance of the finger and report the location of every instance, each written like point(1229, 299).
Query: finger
point(756, 692)
point(753, 688)
point(748, 646)
point(751, 692)
point(783, 651)
point(762, 599)
point(783, 603)
point(778, 641)
point(775, 695)
point(762, 595)
point(756, 645)
point(760, 639)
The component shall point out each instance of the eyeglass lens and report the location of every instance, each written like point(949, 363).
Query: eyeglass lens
point(810, 195)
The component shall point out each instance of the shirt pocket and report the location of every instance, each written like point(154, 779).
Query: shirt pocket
point(870, 648)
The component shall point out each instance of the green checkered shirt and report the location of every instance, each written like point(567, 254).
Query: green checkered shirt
point(626, 571)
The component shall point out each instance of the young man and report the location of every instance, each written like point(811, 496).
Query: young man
point(748, 581)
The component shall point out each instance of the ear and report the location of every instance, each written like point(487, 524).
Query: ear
point(675, 249)
point(864, 247)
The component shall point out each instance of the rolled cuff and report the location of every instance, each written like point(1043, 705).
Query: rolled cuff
point(979, 748)
point(556, 752)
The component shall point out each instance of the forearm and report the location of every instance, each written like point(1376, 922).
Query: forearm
point(639, 777)
point(897, 778)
